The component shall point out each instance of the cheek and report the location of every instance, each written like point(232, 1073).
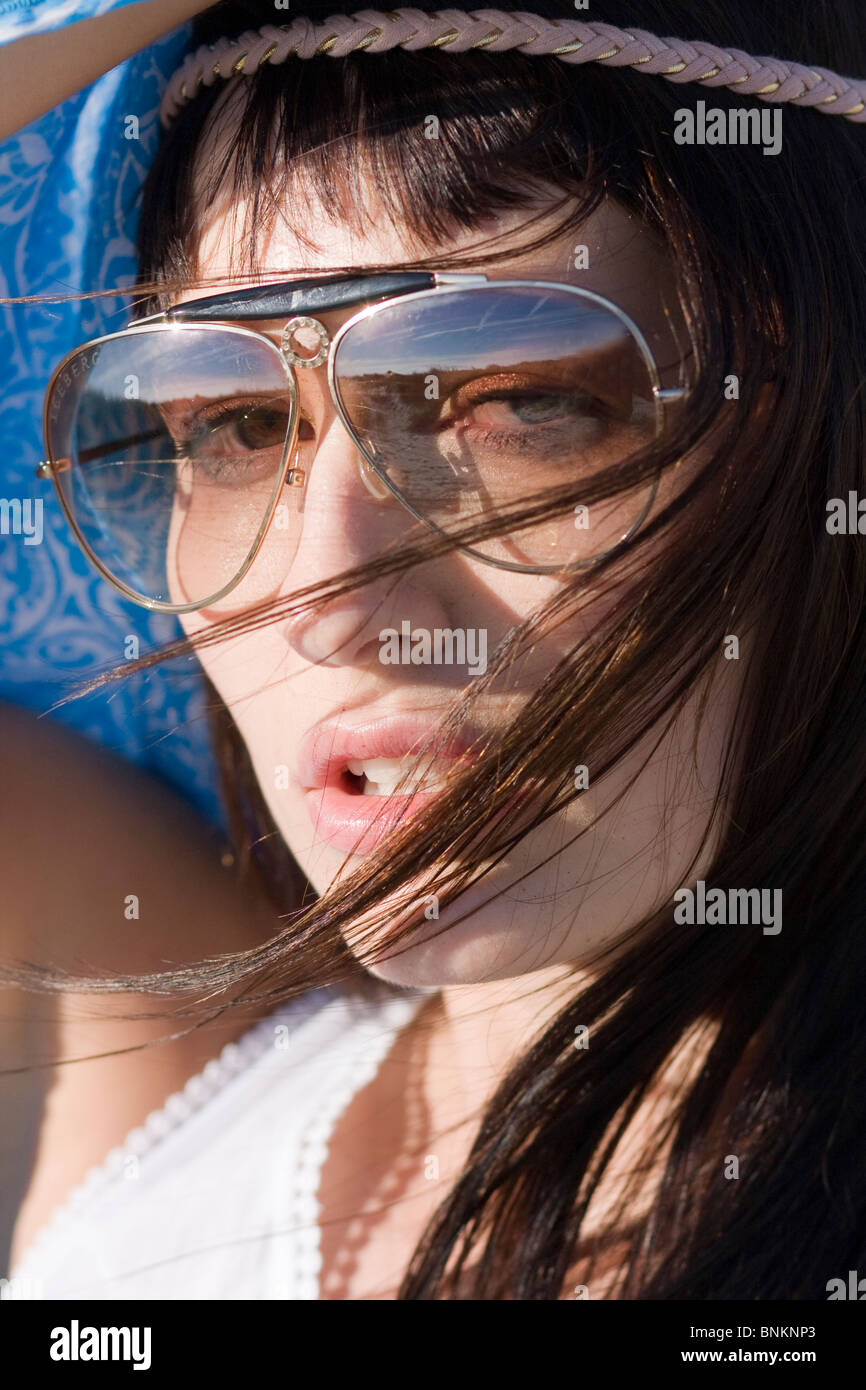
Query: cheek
point(561, 899)
point(259, 684)
point(211, 538)
point(251, 671)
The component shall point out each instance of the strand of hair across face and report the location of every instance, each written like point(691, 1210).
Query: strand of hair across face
point(570, 40)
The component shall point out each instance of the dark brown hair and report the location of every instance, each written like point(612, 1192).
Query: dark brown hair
point(769, 256)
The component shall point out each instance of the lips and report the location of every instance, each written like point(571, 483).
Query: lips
point(342, 813)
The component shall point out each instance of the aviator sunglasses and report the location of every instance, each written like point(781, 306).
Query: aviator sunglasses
point(179, 447)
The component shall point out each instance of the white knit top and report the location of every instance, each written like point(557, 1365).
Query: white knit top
point(215, 1195)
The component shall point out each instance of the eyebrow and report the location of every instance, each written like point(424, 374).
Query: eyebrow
point(311, 295)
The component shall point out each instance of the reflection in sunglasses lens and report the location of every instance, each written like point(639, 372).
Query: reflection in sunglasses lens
point(474, 401)
point(176, 440)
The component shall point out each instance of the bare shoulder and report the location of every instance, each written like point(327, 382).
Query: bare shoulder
point(103, 869)
point(94, 851)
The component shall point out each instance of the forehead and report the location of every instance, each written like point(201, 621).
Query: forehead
point(303, 239)
point(610, 252)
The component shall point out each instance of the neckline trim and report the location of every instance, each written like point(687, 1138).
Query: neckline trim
point(392, 1012)
point(233, 1059)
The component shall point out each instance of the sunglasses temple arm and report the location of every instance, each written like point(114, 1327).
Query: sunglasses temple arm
point(90, 455)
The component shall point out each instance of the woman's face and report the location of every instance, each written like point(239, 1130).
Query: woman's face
point(330, 725)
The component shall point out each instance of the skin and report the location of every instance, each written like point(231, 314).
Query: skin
point(42, 70)
point(502, 973)
point(282, 680)
point(499, 976)
point(69, 862)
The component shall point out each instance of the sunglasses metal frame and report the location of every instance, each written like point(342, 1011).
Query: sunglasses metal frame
point(51, 468)
point(298, 301)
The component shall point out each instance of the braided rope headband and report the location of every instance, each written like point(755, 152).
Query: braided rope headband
point(377, 31)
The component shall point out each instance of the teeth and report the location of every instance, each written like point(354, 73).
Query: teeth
point(383, 776)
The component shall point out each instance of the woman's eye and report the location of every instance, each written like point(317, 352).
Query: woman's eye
point(539, 408)
point(258, 428)
point(235, 427)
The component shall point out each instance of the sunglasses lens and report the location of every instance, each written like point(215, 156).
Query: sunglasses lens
point(473, 401)
point(169, 445)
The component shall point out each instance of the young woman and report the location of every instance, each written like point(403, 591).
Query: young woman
point(485, 428)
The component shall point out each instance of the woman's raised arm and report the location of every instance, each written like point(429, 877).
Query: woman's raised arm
point(42, 70)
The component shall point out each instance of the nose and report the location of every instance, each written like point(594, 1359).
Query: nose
point(349, 518)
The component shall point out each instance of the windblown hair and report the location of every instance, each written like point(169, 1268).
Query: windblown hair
point(770, 263)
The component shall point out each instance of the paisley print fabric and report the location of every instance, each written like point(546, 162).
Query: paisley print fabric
point(68, 193)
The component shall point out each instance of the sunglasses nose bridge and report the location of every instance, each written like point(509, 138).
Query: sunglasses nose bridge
point(310, 333)
point(372, 481)
point(298, 475)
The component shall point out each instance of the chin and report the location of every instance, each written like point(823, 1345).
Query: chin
point(471, 952)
